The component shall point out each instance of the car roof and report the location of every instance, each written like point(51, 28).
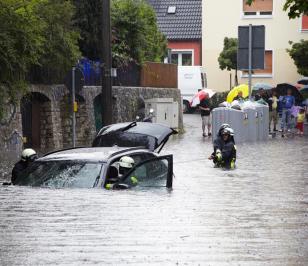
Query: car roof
point(130, 134)
point(92, 154)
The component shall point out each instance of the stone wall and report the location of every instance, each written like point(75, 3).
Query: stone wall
point(55, 114)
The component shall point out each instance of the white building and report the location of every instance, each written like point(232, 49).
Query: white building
point(222, 18)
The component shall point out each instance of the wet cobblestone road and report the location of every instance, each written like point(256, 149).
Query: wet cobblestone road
point(254, 215)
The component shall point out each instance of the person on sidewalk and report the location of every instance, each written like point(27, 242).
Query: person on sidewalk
point(205, 109)
point(300, 121)
point(273, 114)
point(287, 101)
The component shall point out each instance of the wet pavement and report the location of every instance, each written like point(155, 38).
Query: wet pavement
point(254, 215)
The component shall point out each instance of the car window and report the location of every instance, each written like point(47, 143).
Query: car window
point(138, 158)
point(61, 174)
point(152, 173)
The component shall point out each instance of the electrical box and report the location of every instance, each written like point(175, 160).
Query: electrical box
point(166, 111)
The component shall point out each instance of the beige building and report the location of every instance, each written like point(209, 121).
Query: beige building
point(222, 18)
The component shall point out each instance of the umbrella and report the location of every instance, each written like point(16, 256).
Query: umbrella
point(202, 94)
point(234, 92)
point(303, 81)
point(299, 86)
point(304, 91)
point(284, 87)
point(263, 86)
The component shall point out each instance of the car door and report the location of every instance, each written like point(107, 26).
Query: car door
point(153, 172)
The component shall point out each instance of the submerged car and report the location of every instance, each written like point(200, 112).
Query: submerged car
point(99, 166)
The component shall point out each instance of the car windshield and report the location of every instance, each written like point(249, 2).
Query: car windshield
point(62, 174)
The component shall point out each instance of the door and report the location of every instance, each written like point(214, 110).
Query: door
point(156, 172)
point(98, 112)
point(26, 116)
point(36, 124)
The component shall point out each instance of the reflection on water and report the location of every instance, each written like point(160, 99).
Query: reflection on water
point(254, 215)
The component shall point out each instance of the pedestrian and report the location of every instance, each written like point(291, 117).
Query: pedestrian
point(287, 102)
point(27, 157)
point(300, 121)
point(258, 95)
point(224, 154)
point(273, 114)
point(205, 110)
point(239, 97)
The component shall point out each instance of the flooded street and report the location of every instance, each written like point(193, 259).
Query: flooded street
point(254, 215)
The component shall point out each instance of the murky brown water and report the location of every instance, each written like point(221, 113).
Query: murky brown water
point(255, 215)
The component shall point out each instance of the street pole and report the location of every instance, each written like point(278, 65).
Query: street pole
point(250, 59)
point(106, 64)
point(73, 109)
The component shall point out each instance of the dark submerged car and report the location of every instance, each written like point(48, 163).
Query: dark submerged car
point(96, 166)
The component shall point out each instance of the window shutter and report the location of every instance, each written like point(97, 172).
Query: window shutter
point(305, 23)
point(258, 6)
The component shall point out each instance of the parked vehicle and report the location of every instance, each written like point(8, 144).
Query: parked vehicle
point(94, 166)
point(190, 80)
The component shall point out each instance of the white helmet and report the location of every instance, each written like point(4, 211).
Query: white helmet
point(127, 162)
point(28, 155)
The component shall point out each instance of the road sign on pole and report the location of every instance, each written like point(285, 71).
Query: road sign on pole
point(251, 49)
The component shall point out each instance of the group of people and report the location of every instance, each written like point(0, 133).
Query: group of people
point(291, 116)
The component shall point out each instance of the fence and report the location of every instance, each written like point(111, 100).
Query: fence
point(159, 75)
point(156, 75)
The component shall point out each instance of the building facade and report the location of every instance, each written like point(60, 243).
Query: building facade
point(220, 21)
point(180, 21)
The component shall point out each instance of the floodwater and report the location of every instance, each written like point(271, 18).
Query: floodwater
point(254, 215)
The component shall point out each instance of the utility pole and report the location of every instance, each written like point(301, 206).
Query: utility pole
point(250, 59)
point(74, 109)
point(106, 64)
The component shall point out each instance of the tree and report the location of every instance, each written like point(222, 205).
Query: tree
point(228, 57)
point(135, 35)
point(295, 8)
point(61, 50)
point(299, 53)
point(21, 44)
point(88, 20)
point(33, 33)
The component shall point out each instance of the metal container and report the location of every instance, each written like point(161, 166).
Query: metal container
point(249, 124)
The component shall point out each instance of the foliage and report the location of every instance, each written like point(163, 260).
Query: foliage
point(21, 44)
point(299, 53)
point(135, 35)
point(61, 49)
point(295, 8)
point(228, 57)
point(33, 33)
point(88, 19)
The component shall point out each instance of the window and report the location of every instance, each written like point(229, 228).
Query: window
point(268, 68)
point(154, 172)
point(259, 8)
point(61, 174)
point(182, 58)
point(171, 9)
point(304, 24)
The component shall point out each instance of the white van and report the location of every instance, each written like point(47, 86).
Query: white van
point(190, 80)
